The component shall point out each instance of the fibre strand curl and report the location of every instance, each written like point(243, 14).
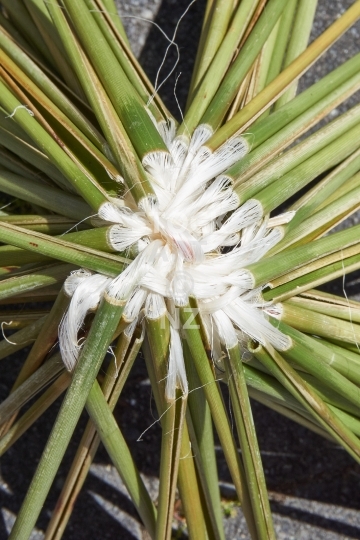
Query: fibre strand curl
point(194, 240)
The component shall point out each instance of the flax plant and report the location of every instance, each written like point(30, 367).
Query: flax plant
point(201, 243)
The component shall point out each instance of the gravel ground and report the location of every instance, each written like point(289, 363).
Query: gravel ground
point(314, 485)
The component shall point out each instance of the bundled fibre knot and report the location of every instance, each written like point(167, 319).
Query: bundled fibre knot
point(195, 240)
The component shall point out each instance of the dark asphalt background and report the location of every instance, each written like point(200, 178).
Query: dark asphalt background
point(314, 485)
